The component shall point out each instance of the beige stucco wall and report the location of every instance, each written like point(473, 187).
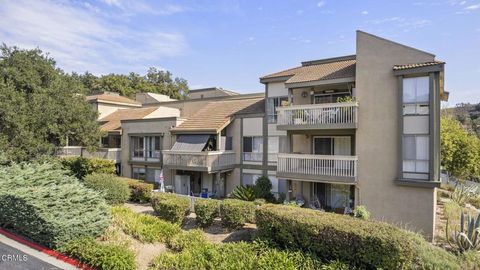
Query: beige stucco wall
point(207, 94)
point(164, 112)
point(233, 130)
point(253, 126)
point(105, 109)
point(233, 180)
point(147, 127)
point(377, 135)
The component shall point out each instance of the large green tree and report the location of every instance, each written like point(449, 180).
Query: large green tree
point(460, 150)
point(155, 81)
point(40, 106)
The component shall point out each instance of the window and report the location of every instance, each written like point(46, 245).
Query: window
point(415, 140)
point(249, 179)
point(152, 175)
point(416, 96)
point(153, 146)
point(137, 146)
point(252, 148)
point(272, 104)
point(138, 173)
point(415, 153)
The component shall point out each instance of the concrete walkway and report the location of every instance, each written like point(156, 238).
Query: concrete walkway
point(15, 255)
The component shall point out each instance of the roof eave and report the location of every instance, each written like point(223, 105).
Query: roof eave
point(275, 79)
point(320, 82)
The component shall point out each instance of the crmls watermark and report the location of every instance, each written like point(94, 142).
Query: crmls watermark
point(13, 258)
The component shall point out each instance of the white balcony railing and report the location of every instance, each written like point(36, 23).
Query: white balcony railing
point(317, 165)
point(79, 151)
point(318, 114)
point(207, 160)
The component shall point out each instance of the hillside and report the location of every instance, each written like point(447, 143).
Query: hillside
point(468, 114)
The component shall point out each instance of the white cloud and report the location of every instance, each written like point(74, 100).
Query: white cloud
point(403, 23)
point(364, 12)
point(321, 3)
point(473, 7)
point(133, 7)
point(80, 40)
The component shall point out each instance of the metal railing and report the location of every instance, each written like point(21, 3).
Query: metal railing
point(205, 159)
point(337, 166)
point(318, 114)
point(80, 151)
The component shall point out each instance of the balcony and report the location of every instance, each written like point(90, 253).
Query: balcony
point(317, 168)
point(113, 154)
point(318, 116)
point(205, 161)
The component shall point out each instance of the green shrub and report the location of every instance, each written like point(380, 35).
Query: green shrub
point(429, 257)
point(113, 188)
point(48, 206)
point(145, 228)
point(140, 191)
point(206, 210)
point(80, 166)
point(263, 189)
point(244, 193)
point(235, 213)
point(469, 260)
point(184, 240)
point(238, 255)
point(171, 207)
point(361, 212)
point(366, 244)
point(100, 255)
point(475, 201)
point(259, 202)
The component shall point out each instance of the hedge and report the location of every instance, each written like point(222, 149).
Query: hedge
point(184, 240)
point(235, 213)
point(239, 255)
point(113, 188)
point(80, 166)
point(170, 207)
point(140, 191)
point(366, 244)
point(145, 228)
point(206, 211)
point(49, 207)
point(101, 256)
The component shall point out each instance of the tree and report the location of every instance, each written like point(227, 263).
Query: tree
point(40, 106)
point(460, 150)
point(155, 81)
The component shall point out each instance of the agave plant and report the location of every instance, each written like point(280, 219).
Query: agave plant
point(246, 193)
point(468, 238)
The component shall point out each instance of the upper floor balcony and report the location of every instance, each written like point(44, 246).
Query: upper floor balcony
point(318, 168)
point(342, 115)
point(79, 151)
point(208, 161)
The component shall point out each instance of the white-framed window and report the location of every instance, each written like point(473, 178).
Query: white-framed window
point(253, 148)
point(416, 95)
point(249, 179)
point(272, 104)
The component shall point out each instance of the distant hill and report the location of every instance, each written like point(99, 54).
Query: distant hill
point(468, 114)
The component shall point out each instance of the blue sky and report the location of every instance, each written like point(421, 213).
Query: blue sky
point(231, 44)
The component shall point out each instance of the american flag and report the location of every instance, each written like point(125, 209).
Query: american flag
point(160, 178)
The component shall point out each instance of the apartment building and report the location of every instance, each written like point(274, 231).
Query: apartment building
point(362, 129)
